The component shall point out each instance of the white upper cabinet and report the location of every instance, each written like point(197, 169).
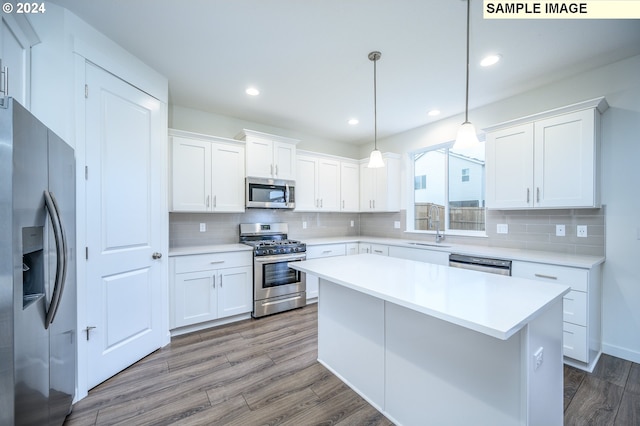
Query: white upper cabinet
point(207, 173)
point(546, 161)
point(269, 156)
point(317, 183)
point(380, 187)
point(16, 38)
point(349, 186)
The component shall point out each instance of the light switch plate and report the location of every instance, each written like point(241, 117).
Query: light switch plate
point(502, 228)
point(560, 231)
point(582, 231)
point(352, 223)
point(203, 227)
point(396, 224)
point(304, 225)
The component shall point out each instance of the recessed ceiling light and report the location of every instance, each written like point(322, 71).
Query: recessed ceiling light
point(433, 112)
point(252, 91)
point(489, 60)
point(353, 121)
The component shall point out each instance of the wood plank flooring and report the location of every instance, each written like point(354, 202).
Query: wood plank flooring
point(264, 372)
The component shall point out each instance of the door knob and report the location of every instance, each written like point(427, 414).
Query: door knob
point(156, 255)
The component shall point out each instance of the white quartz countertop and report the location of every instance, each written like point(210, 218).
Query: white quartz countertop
point(551, 258)
point(215, 248)
point(495, 305)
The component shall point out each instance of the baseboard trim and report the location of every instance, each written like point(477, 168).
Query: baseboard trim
point(620, 352)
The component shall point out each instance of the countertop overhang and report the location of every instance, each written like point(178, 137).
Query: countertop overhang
point(498, 306)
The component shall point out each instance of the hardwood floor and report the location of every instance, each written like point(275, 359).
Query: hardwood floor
point(264, 372)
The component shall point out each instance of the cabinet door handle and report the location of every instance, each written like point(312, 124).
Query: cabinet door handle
point(378, 251)
point(374, 204)
point(320, 202)
point(215, 201)
point(207, 201)
point(549, 277)
point(327, 251)
point(276, 170)
point(527, 195)
point(538, 195)
point(217, 261)
point(4, 80)
point(343, 204)
point(271, 173)
point(220, 280)
point(214, 281)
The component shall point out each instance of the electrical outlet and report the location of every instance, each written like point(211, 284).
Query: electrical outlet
point(203, 227)
point(582, 231)
point(560, 231)
point(538, 358)
point(353, 224)
point(304, 225)
point(396, 224)
point(502, 228)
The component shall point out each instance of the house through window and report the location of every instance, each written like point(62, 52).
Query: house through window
point(454, 199)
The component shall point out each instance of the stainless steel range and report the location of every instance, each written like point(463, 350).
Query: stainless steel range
point(276, 287)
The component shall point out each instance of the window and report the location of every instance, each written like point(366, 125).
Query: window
point(454, 200)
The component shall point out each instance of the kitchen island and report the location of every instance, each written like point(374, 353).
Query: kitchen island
point(430, 344)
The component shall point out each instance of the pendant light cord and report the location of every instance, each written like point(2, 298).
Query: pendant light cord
point(466, 103)
point(375, 107)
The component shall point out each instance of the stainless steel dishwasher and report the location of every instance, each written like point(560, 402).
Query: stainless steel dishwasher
point(482, 264)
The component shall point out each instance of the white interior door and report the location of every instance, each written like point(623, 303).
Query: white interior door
point(123, 220)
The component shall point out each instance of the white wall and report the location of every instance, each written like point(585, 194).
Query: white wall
point(620, 84)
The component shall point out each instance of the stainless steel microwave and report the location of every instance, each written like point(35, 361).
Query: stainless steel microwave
point(270, 193)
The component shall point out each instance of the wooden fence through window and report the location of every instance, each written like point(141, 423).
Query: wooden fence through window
point(461, 218)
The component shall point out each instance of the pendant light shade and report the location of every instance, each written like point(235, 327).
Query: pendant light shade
point(467, 136)
point(375, 159)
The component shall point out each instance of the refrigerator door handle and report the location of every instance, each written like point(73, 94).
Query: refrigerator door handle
point(61, 255)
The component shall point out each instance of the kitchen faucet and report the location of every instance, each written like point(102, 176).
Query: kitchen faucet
point(439, 237)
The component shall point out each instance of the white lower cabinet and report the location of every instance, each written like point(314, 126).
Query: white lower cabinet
point(352, 248)
point(208, 287)
point(582, 340)
point(373, 249)
point(421, 255)
point(316, 252)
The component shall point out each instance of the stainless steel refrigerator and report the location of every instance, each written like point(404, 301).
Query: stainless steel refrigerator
point(37, 271)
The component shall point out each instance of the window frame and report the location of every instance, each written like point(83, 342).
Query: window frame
point(410, 203)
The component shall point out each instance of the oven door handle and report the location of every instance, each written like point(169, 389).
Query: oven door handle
point(280, 258)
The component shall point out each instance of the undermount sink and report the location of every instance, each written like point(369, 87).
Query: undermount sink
point(429, 244)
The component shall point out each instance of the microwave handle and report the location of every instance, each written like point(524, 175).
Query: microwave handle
point(286, 193)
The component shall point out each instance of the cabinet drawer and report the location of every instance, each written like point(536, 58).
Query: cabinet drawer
point(574, 308)
point(576, 278)
point(327, 250)
point(575, 341)
point(204, 262)
point(380, 249)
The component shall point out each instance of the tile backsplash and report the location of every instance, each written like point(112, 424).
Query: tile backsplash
point(527, 229)
point(222, 228)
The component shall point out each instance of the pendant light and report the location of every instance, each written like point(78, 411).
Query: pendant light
point(375, 159)
point(467, 137)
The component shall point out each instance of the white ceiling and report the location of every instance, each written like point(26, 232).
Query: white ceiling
point(309, 57)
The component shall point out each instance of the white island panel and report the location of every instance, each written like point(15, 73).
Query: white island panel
point(351, 339)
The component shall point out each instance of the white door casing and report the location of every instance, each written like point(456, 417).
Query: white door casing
point(123, 223)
